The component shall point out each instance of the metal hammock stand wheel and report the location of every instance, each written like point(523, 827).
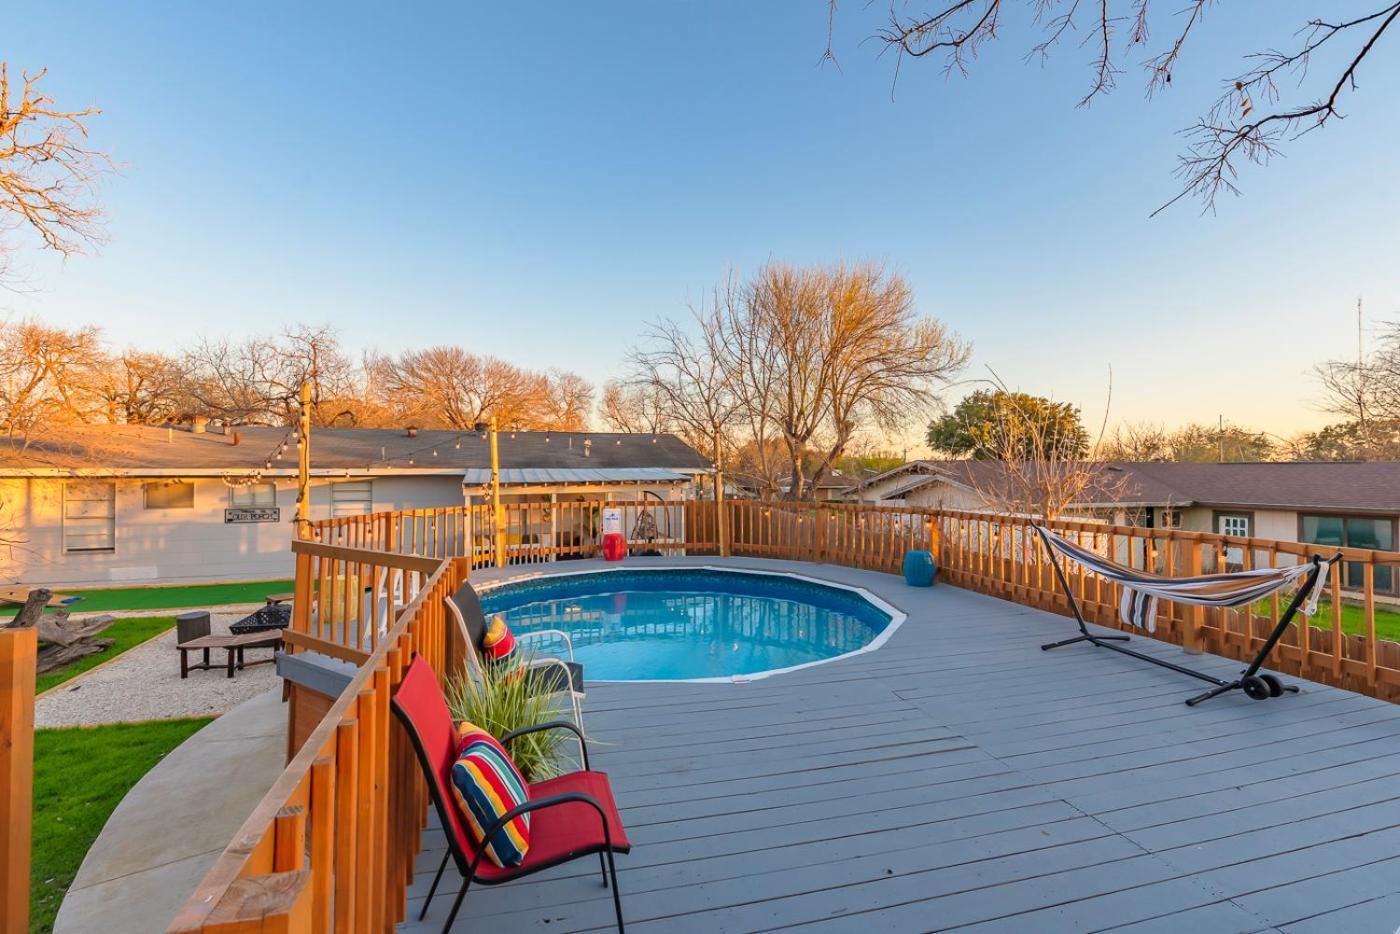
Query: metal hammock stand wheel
point(1256, 685)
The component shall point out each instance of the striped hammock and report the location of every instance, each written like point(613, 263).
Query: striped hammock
point(1142, 590)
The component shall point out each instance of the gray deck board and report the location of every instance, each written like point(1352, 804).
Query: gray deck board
point(961, 779)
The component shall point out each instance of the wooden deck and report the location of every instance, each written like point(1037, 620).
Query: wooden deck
point(961, 779)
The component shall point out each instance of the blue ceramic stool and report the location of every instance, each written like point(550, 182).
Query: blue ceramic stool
point(919, 569)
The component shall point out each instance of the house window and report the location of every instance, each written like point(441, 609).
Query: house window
point(1170, 518)
point(89, 516)
point(254, 495)
point(1235, 525)
point(1354, 532)
point(168, 494)
point(351, 498)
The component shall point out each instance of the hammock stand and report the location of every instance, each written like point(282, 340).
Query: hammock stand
point(1255, 685)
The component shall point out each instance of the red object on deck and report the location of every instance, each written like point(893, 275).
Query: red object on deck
point(614, 546)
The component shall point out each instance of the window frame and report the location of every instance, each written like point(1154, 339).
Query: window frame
point(70, 550)
point(170, 482)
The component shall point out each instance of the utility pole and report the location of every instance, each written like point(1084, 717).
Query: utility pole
point(304, 462)
point(498, 517)
point(1220, 442)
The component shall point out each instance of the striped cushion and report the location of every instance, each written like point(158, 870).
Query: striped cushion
point(498, 645)
point(487, 784)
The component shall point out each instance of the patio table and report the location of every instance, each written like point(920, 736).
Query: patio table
point(233, 645)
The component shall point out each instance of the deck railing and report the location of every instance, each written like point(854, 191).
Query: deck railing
point(331, 846)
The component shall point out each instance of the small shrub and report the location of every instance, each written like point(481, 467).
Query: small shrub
point(498, 701)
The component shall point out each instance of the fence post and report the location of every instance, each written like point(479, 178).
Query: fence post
point(1195, 615)
point(17, 650)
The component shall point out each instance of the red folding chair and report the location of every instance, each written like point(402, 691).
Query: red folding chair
point(574, 815)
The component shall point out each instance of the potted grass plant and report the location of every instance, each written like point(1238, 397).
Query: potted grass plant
point(499, 700)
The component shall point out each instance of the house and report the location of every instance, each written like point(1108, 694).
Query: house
point(122, 504)
point(1350, 503)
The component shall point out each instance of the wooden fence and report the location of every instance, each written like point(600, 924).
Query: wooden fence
point(331, 846)
point(535, 532)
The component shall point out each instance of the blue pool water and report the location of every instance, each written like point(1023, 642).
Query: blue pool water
point(666, 624)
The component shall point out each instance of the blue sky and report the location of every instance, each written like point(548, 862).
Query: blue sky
point(538, 182)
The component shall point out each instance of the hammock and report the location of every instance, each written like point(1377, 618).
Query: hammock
point(1141, 591)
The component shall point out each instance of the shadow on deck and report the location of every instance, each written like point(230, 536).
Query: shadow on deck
point(961, 779)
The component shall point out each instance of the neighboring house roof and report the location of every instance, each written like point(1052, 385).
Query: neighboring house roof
point(1338, 486)
point(544, 476)
point(135, 448)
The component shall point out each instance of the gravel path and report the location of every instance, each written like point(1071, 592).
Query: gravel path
point(144, 684)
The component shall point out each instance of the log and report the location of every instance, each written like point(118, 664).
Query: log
point(59, 629)
point(51, 657)
point(33, 608)
point(63, 641)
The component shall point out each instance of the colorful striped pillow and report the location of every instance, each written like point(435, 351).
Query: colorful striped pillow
point(498, 645)
point(487, 784)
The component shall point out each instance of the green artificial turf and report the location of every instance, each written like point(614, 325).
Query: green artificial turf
point(80, 775)
point(164, 598)
point(125, 633)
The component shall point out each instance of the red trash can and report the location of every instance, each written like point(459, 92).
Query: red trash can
point(614, 546)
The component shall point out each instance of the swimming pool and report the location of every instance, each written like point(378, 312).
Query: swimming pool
point(710, 624)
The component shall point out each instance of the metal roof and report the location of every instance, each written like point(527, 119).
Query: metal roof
point(555, 476)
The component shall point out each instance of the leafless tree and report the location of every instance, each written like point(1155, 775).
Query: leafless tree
point(142, 387)
point(47, 173)
point(845, 348)
point(633, 408)
point(258, 380)
point(569, 401)
point(684, 369)
point(1138, 442)
point(789, 366)
point(449, 387)
point(1248, 122)
point(46, 377)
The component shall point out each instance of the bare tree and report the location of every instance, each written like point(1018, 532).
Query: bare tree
point(787, 368)
point(142, 387)
point(258, 380)
point(634, 408)
point(845, 348)
point(1246, 124)
point(688, 376)
point(569, 401)
point(449, 387)
point(46, 376)
point(1138, 442)
point(47, 173)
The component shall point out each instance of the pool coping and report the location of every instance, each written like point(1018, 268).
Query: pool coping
point(896, 615)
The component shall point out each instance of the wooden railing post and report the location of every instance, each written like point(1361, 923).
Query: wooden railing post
point(1195, 615)
point(17, 651)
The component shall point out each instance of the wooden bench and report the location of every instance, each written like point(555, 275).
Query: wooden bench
point(234, 646)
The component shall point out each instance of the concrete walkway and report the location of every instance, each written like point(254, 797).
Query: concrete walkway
point(166, 832)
